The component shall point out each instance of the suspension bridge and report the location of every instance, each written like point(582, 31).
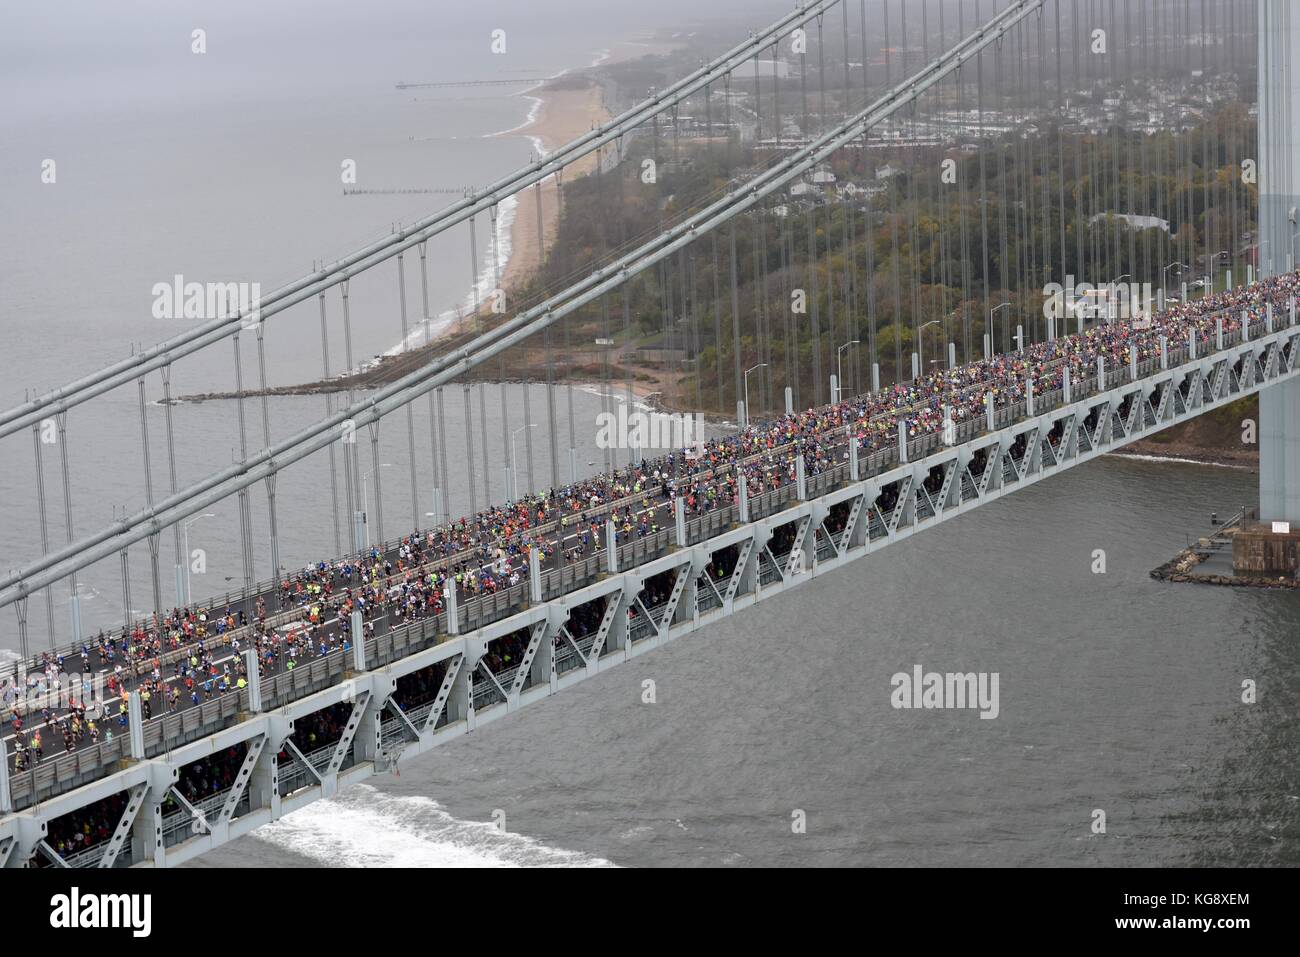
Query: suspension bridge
point(294, 686)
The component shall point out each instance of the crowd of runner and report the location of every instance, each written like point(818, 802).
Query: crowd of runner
point(172, 662)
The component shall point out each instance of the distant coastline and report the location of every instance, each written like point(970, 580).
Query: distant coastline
point(563, 110)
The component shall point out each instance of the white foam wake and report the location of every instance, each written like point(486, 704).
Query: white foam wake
point(365, 827)
point(490, 273)
point(1138, 457)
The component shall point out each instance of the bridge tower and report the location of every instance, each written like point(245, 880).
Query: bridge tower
point(1279, 212)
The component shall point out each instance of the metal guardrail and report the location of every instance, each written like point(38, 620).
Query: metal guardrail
point(68, 771)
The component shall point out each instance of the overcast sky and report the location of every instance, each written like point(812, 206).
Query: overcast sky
point(63, 55)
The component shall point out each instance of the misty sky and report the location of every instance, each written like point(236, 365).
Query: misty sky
point(71, 55)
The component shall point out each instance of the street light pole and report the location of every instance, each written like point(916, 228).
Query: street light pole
point(1111, 295)
point(1001, 305)
point(920, 346)
point(512, 493)
point(839, 368)
point(365, 495)
point(745, 424)
point(185, 531)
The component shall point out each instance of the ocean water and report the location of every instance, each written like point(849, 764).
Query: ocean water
point(1118, 693)
point(226, 166)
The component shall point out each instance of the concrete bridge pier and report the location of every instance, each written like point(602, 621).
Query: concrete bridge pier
point(264, 786)
point(1279, 209)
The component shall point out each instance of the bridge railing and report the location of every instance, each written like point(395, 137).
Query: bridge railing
point(164, 731)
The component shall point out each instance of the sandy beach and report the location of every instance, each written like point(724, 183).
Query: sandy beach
point(563, 115)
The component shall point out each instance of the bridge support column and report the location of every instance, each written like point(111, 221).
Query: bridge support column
point(1279, 199)
point(1065, 385)
point(358, 642)
point(1245, 326)
point(534, 575)
point(6, 797)
point(916, 366)
point(987, 347)
point(264, 785)
point(853, 455)
point(254, 679)
point(358, 531)
point(679, 520)
point(146, 830)
point(789, 400)
point(952, 355)
point(1101, 373)
point(742, 492)
point(543, 666)
point(800, 478)
point(687, 608)
point(453, 613)
point(611, 547)
point(616, 639)
point(902, 441)
point(875, 377)
point(1164, 353)
point(135, 717)
point(459, 702)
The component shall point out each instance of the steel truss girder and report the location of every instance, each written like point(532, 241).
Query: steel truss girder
point(534, 643)
point(216, 487)
point(122, 833)
point(307, 287)
point(400, 715)
point(29, 824)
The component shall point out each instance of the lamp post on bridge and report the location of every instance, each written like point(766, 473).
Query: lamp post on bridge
point(1111, 295)
point(1164, 277)
point(839, 368)
point(1001, 305)
point(745, 424)
point(512, 493)
point(185, 532)
point(365, 495)
point(920, 345)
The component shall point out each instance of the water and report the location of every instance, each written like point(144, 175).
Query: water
point(1118, 693)
point(227, 167)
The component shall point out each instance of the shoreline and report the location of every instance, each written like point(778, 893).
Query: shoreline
point(561, 116)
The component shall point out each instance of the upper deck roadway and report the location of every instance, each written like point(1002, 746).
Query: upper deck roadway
point(987, 427)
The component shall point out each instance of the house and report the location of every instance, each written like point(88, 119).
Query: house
point(1132, 221)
